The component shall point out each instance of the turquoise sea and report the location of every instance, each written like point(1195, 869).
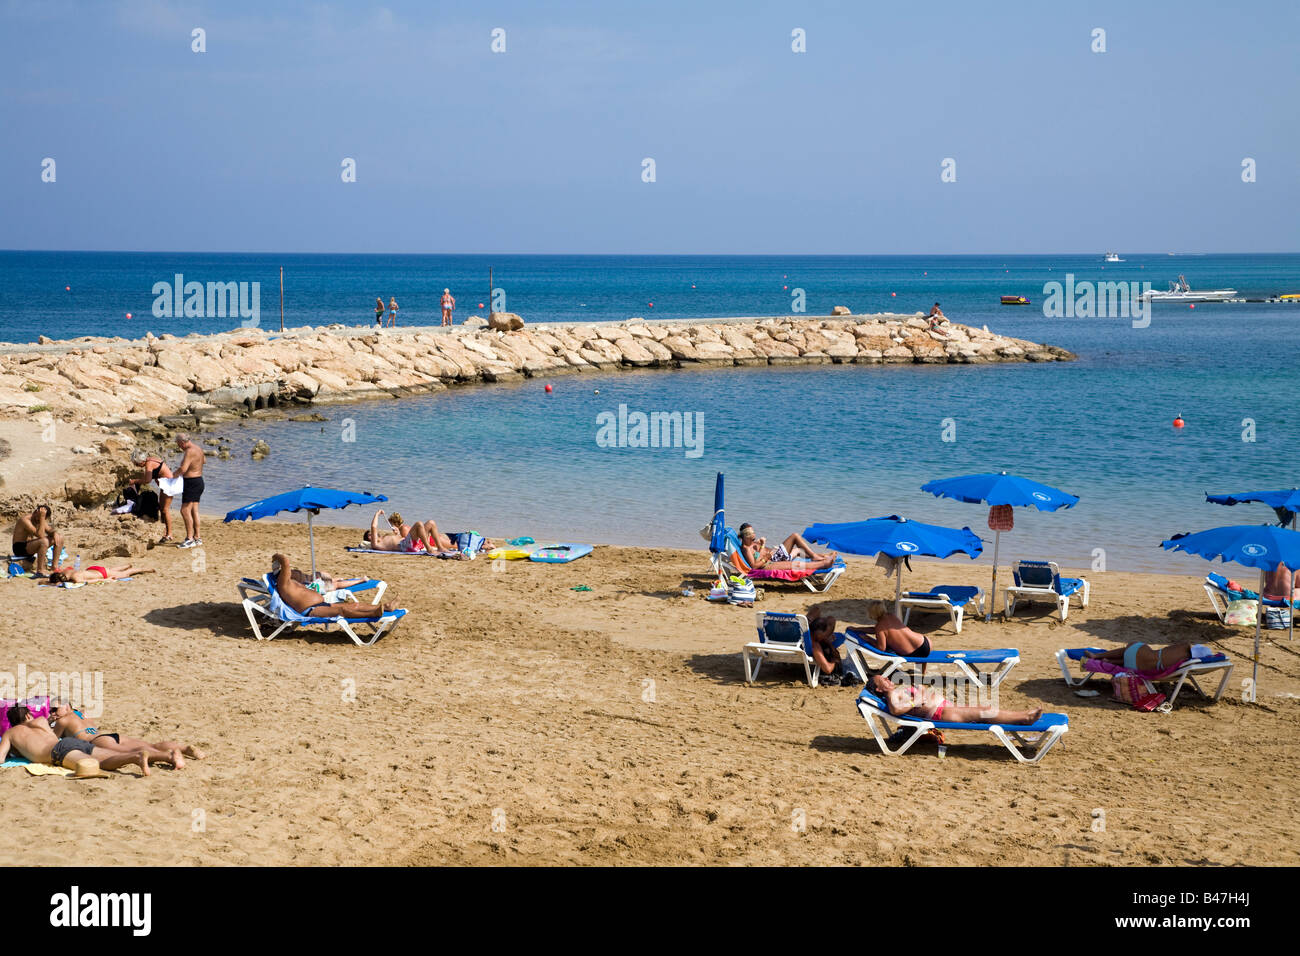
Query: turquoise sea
point(798, 445)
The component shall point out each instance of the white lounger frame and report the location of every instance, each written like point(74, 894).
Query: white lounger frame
point(884, 725)
point(1062, 601)
point(756, 652)
point(938, 602)
point(1184, 675)
point(254, 608)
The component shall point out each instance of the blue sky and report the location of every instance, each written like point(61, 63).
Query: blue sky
point(757, 149)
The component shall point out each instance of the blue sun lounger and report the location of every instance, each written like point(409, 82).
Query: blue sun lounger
point(1220, 595)
point(869, 657)
point(949, 598)
point(783, 638)
point(1041, 580)
point(1185, 674)
point(1039, 736)
point(274, 608)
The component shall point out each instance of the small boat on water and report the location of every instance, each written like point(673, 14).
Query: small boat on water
point(1180, 291)
point(1113, 257)
point(1014, 300)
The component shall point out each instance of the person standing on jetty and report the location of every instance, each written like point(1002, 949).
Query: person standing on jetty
point(379, 312)
point(191, 470)
point(392, 311)
point(448, 306)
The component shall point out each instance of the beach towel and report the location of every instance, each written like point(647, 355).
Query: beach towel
point(1110, 667)
point(44, 769)
point(14, 760)
point(780, 574)
point(1138, 693)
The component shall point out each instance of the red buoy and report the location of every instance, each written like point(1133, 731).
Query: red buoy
point(67, 288)
point(548, 387)
point(1178, 422)
point(893, 295)
point(128, 315)
point(1191, 305)
point(651, 304)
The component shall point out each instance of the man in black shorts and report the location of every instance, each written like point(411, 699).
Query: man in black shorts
point(34, 535)
point(191, 470)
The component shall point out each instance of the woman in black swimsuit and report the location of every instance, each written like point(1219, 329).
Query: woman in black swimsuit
point(153, 468)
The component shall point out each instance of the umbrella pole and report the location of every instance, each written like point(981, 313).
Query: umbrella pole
point(993, 594)
point(311, 537)
point(1259, 612)
point(898, 584)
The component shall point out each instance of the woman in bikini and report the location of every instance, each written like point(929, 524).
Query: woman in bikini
point(1143, 658)
point(66, 722)
point(153, 468)
point(793, 554)
point(423, 536)
point(928, 703)
point(95, 573)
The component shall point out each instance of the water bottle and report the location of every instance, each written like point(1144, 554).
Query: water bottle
point(76, 565)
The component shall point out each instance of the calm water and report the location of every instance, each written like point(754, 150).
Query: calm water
point(797, 445)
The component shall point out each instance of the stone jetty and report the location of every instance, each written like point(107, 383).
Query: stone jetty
point(207, 379)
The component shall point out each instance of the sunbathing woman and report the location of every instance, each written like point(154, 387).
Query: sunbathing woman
point(928, 703)
point(794, 554)
point(66, 722)
point(96, 573)
point(306, 601)
point(1150, 660)
point(891, 633)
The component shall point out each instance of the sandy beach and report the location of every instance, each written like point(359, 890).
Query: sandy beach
point(512, 720)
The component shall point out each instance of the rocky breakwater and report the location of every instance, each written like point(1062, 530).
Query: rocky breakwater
point(201, 379)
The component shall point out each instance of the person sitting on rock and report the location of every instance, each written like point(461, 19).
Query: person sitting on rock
point(34, 535)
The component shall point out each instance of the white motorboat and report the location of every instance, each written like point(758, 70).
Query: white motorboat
point(1113, 257)
point(1180, 291)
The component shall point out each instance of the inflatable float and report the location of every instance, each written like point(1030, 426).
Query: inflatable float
point(560, 553)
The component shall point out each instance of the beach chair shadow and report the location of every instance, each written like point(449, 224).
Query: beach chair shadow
point(1156, 630)
point(722, 668)
point(866, 748)
point(222, 618)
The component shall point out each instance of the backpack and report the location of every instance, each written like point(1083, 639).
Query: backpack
point(146, 506)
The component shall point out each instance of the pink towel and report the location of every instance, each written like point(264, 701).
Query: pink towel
point(779, 574)
point(1110, 667)
point(39, 706)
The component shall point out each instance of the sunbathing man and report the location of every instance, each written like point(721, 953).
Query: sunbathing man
point(32, 738)
point(34, 535)
point(1145, 659)
point(928, 703)
point(793, 554)
point(423, 536)
point(891, 633)
point(1281, 585)
point(96, 573)
point(306, 601)
point(66, 722)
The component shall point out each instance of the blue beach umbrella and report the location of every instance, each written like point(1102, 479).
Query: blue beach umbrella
point(310, 500)
point(1286, 503)
point(896, 537)
point(1260, 546)
point(999, 488)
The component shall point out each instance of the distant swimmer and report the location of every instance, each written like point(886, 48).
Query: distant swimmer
point(448, 306)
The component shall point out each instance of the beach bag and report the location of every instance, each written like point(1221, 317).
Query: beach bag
point(1138, 693)
point(1277, 618)
point(744, 593)
point(146, 506)
point(1241, 612)
point(467, 542)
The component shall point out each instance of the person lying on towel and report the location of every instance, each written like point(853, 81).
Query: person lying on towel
point(793, 554)
point(928, 703)
point(1142, 658)
point(313, 604)
point(423, 536)
point(67, 723)
point(96, 573)
point(32, 738)
point(891, 634)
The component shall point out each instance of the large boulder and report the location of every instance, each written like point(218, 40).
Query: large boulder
point(504, 322)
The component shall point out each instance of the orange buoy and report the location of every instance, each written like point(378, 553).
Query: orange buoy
point(480, 305)
point(1178, 422)
point(548, 387)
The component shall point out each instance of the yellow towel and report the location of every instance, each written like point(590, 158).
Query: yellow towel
point(39, 769)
